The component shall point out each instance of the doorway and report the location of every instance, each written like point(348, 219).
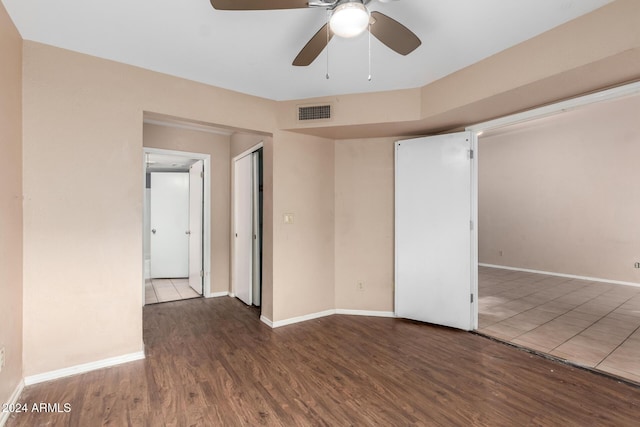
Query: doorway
point(176, 253)
point(556, 274)
point(247, 172)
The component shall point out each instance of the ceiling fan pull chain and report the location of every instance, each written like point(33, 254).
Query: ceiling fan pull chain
point(328, 38)
point(369, 51)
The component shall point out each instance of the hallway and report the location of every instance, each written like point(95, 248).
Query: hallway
point(164, 290)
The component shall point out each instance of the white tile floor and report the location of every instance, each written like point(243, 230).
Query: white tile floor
point(164, 290)
point(589, 323)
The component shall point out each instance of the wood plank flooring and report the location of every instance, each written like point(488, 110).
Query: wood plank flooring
point(211, 362)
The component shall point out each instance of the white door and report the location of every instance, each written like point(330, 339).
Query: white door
point(195, 225)
point(243, 228)
point(169, 215)
point(433, 230)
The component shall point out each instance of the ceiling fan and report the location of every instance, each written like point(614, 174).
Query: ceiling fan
point(349, 18)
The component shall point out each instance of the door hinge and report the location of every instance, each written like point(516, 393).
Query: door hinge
point(201, 273)
point(201, 174)
point(471, 225)
point(471, 154)
point(472, 298)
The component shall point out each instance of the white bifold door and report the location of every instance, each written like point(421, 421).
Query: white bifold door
point(246, 245)
point(433, 230)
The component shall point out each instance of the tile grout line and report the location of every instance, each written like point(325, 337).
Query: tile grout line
point(153, 288)
point(617, 347)
point(574, 308)
point(602, 317)
point(584, 329)
point(153, 285)
point(559, 315)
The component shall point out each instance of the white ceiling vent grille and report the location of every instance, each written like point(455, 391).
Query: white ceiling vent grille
point(314, 112)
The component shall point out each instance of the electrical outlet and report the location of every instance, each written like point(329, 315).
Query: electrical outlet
point(637, 265)
point(1, 358)
point(500, 253)
point(360, 286)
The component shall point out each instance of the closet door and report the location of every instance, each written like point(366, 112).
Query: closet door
point(243, 229)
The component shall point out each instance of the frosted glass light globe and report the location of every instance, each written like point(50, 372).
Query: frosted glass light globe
point(349, 19)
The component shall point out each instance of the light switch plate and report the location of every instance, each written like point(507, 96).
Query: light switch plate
point(288, 218)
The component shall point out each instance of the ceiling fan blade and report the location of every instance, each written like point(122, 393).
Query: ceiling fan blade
point(258, 4)
point(312, 49)
point(396, 36)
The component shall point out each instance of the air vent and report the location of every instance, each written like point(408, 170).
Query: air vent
point(314, 112)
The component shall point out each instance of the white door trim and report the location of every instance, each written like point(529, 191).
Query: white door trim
point(558, 107)
point(206, 226)
point(525, 116)
point(248, 151)
point(196, 197)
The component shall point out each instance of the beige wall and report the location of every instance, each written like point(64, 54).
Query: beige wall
point(10, 205)
point(217, 146)
point(83, 205)
point(560, 194)
point(303, 265)
point(364, 200)
point(567, 59)
point(241, 142)
point(594, 51)
point(82, 151)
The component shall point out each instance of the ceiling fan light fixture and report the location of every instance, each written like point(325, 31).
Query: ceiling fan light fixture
point(349, 19)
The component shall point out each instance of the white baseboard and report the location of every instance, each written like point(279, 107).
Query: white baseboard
point(325, 313)
point(570, 276)
point(4, 416)
point(365, 313)
point(266, 321)
point(85, 367)
point(218, 294)
point(304, 318)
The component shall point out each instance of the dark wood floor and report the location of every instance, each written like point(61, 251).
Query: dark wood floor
point(212, 363)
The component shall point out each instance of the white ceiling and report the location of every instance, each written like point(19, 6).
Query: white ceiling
point(251, 52)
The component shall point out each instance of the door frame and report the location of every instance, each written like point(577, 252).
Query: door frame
point(537, 113)
point(245, 153)
point(206, 218)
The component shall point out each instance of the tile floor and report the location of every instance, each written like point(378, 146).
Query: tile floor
point(592, 324)
point(164, 290)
